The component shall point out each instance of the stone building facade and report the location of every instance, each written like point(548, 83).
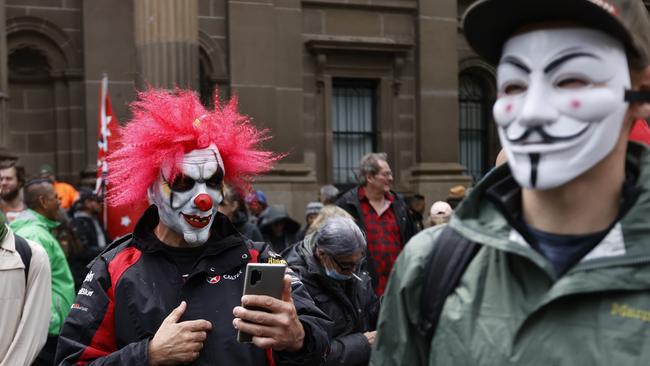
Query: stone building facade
point(331, 79)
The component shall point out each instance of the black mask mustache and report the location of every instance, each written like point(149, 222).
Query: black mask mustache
point(546, 137)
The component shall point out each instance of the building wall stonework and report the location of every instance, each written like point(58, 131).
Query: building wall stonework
point(44, 121)
point(280, 57)
point(370, 41)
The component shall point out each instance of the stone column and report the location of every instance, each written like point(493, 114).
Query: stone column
point(437, 168)
point(166, 38)
point(109, 48)
point(266, 70)
point(4, 81)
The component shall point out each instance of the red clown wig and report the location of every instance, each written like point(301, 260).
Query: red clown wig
point(168, 124)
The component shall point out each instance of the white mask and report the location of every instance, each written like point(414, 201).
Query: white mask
point(561, 105)
point(188, 205)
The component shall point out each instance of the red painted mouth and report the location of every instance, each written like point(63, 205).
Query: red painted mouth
point(197, 221)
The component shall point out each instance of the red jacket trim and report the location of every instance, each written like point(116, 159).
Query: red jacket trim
point(103, 342)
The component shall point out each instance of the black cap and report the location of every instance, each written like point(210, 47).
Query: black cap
point(488, 24)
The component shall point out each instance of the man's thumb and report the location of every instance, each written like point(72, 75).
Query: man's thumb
point(176, 314)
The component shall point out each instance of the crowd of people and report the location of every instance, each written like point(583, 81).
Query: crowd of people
point(65, 223)
point(527, 267)
point(355, 235)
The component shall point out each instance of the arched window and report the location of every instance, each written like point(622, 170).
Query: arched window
point(44, 110)
point(28, 64)
point(474, 120)
point(206, 87)
point(32, 110)
point(213, 74)
point(209, 82)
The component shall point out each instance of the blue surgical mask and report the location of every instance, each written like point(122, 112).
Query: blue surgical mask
point(333, 274)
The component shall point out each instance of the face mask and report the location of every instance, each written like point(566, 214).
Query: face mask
point(561, 103)
point(333, 274)
point(188, 204)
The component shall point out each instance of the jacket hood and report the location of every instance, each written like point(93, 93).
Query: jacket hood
point(301, 259)
point(301, 256)
point(481, 219)
point(30, 217)
point(349, 197)
point(277, 213)
point(240, 217)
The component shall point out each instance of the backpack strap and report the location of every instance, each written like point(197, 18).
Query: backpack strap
point(449, 258)
point(22, 247)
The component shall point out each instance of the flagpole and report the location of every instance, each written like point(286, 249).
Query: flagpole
point(104, 91)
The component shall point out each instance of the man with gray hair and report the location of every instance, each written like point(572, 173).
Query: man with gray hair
point(328, 194)
point(328, 262)
point(381, 213)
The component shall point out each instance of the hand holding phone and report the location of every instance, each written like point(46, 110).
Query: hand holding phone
point(277, 326)
point(262, 279)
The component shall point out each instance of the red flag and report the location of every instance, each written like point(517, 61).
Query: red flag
point(640, 132)
point(118, 221)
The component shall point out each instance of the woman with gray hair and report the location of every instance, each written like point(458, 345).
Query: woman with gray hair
point(329, 262)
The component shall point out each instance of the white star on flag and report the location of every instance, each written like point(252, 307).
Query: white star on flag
point(125, 221)
point(102, 145)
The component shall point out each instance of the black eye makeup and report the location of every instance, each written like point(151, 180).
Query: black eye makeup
point(216, 180)
point(182, 183)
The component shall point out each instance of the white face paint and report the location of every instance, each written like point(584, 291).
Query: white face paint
point(188, 205)
point(561, 103)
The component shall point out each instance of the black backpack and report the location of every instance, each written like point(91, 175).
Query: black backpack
point(447, 262)
point(25, 253)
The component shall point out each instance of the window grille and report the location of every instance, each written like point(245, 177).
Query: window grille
point(474, 108)
point(354, 105)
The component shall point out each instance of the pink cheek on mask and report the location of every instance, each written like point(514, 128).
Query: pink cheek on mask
point(509, 108)
point(576, 104)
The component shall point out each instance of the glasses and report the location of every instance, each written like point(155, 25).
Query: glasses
point(347, 266)
point(386, 174)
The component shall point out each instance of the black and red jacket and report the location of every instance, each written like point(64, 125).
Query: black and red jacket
point(133, 286)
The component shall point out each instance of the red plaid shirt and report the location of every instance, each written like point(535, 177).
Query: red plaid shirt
point(384, 241)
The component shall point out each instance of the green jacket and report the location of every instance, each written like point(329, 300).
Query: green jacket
point(510, 307)
point(34, 226)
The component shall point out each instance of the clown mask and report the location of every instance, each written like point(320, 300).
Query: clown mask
point(188, 204)
point(560, 107)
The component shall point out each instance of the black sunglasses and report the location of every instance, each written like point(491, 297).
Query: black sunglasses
point(348, 266)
